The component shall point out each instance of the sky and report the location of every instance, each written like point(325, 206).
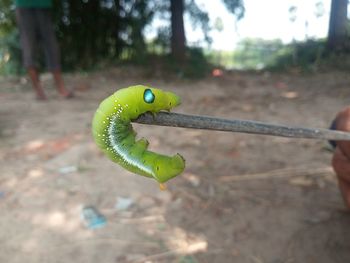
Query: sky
point(268, 19)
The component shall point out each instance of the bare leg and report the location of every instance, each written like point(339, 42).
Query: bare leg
point(61, 88)
point(34, 76)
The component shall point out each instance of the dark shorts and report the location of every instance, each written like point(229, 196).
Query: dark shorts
point(35, 26)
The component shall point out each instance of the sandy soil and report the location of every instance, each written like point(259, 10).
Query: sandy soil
point(242, 198)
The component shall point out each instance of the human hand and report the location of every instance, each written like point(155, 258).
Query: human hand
point(341, 156)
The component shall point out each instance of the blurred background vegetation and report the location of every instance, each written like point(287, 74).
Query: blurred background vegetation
point(95, 34)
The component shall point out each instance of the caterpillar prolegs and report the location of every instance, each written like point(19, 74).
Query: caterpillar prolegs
point(114, 134)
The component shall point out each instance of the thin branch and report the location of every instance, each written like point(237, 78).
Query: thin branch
point(243, 126)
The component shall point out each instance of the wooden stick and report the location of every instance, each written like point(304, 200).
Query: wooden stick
point(243, 126)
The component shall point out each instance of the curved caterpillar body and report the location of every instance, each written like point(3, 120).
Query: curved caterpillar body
point(113, 132)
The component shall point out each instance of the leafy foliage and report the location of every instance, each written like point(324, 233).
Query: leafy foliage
point(91, 32)
point(195, 66)
point(199, 18)
point(7, 17)
point(236, 7)
point(257, 53)
point(10, 54)
point(273, 55)
point(306, 56)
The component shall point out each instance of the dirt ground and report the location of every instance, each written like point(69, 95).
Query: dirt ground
point(242, 198)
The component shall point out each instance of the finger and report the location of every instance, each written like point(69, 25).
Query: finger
point(344, 187)
point(344, 147)
point(341, 165)
point(343, 124)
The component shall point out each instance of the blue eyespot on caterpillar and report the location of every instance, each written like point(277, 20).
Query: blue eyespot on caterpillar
point(114, 135)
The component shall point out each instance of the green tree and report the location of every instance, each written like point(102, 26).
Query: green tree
point(236, 7)
point(93, 32)
point(101, 30)
point(199, 17)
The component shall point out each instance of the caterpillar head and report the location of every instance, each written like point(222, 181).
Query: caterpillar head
point(156, 99)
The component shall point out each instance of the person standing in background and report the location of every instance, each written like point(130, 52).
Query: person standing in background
point(35, 23)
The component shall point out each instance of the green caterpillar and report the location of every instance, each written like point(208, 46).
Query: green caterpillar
point(114, 134)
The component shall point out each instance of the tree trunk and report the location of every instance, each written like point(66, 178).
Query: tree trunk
point(337, 31)
point(116, 25)
point(178, 40)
